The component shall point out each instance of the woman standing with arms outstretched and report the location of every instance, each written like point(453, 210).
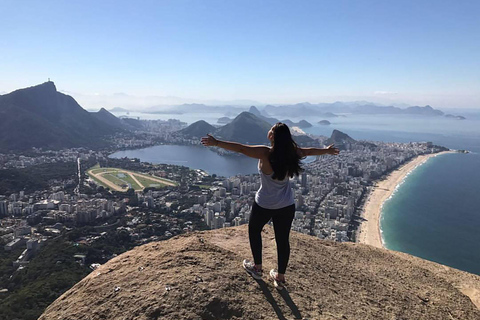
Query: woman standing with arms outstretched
point(275, 198)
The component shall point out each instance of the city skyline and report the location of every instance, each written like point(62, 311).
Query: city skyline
point(111, 53)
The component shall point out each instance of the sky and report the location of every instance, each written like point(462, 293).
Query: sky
point(127, 53)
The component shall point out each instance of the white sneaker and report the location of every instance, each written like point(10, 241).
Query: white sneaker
point(280, 285)
point(249, 266)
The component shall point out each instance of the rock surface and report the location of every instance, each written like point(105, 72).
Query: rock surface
point(199, 276)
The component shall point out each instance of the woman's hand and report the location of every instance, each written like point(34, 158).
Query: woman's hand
point(209, 141)
point(332, 150)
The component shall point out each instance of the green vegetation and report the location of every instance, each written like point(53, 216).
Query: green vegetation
point(112, 177)
point(132, 182)
point(146, 182)
point(53, 271)
point(45, 278)
point(37, 177)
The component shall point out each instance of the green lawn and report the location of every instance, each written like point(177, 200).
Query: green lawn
point(148, 182)
point(157, 178)
point(132, 182)
point(112, 177)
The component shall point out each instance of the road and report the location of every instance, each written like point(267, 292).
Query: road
point(77, 189)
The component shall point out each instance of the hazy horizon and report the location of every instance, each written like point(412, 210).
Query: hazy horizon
point(112, 54)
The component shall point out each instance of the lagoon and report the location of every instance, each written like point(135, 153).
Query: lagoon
point(196, 157)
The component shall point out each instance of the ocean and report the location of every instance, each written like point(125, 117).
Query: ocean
point(433, 214)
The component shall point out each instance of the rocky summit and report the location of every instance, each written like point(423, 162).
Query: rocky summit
point(199, 276)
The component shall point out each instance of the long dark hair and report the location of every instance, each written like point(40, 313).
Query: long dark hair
point(284, 157)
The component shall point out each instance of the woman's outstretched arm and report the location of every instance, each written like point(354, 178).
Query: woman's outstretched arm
point(319, 151)
point(257, 152)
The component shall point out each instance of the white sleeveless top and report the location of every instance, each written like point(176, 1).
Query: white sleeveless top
point(274, 194)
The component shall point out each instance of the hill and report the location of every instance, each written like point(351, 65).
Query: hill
point(111, 120)
point(339, 139)
point(198, 129)
point(245, 128)
point(40, 116)
point(199, 276)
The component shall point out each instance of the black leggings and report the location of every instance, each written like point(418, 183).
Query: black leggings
point(282, 222)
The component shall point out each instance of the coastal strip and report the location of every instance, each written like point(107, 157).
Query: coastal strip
point(369, 230)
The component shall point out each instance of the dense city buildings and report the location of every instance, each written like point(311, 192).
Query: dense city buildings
point(328, 197)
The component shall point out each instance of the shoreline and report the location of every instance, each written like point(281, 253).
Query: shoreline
point(369, 231)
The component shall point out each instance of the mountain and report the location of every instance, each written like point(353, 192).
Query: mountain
point(304, 124)
point(134, 123)
point(109, 119)
point(199, 276)
point(359, 107)
point(40, 116)
point(426, 111)
point(254, 110)
point(245, 128)
point(198, 129)
point(339, 139)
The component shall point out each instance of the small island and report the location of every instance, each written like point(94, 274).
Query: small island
point(451, 116)
point(324, 122)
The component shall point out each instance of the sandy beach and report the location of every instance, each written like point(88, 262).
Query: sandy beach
point(369, 231)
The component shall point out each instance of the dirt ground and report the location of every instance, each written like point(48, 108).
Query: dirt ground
point(199, 276)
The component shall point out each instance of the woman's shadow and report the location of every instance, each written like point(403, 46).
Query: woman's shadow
point(285, 295)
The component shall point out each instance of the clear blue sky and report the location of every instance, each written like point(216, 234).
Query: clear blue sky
point(425, 52)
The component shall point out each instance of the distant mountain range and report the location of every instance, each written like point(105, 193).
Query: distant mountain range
point(270, 113)
point(329, 109)
point(40, 116)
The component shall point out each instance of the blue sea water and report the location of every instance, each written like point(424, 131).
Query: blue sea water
point(435, 213)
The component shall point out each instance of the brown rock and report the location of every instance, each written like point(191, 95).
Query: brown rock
point(199, 276)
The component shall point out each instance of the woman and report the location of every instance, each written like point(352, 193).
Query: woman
point(275, 198)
